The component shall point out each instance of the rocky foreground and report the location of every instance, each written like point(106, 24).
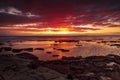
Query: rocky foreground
point(88, 68)
point(27, 67)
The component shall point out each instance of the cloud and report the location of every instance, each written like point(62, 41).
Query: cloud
point(14, 11)
point(76, 15)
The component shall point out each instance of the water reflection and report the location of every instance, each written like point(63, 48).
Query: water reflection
point(56, 49)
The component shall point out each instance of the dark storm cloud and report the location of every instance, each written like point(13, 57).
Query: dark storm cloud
point(57, 12)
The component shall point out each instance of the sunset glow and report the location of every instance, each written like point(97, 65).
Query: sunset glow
point(70, 18)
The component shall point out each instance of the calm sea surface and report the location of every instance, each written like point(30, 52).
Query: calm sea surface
point(79, 46)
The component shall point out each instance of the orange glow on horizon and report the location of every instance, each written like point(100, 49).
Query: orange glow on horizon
point(35, 29)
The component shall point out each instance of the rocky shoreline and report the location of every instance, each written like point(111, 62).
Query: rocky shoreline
point(28, 67)
point(25, 67)
point(88, 68)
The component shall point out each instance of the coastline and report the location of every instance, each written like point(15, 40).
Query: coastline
point(22, 67)
point(68, 68)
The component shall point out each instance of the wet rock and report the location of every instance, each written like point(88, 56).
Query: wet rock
point(63, 50)
point(99, 64)
point(28, 49)
point(70, 77)
point(89, 68)
point(40, 49)
point(56, 55)
point(89, 40)
point(96, 58)
point(1, 43)
point(1, 49)
point(7, 48)
point(33, 64)
point(115, 58)
point(111, 64)
point(27, 56)
point(71, 58)
point(16, 50)
point(17, 68)
point(49, 52)
point(61, 78)
point(88, 78)
point(105, 78)
point(60, 49)
point(1, 77)
point(2, 56)
point(118, 45)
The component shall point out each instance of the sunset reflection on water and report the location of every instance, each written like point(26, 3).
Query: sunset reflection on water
point(52, 47)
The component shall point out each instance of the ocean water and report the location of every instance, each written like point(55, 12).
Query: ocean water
point(78, 46)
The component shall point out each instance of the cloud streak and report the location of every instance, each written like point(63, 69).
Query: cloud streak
point(14, 11)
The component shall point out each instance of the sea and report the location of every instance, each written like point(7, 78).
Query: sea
point(56, 47)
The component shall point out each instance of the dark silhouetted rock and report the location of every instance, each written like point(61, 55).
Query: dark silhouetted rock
point(1, 43)
point(1, 49)
point(95, 58)
point(28, 49)
point(34, 64)
point(89, 40)
point(63, 50)
point(1, 77)
point(40, 49)
point(71, 58)
point(48, 52)
point(17, 68)
point(16, 50)
point(117, 45)
point(70, 77)
point(56, 55)
point(7, 48)
point(27, 56)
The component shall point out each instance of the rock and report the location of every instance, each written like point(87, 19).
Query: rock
point(105, 78)
point(115, 58)
point(40, 49)
point(1, 77)
point(118, 45)
point(78, 45)
point(111, 64)
point(28, 49)
point(48, 52)
point(9, 64)
point(33, 64)
point(27, 56)
point(56, 55)
point(63, 50)
point(60, 78)
point(1, 49)
point(71, 58)
point(16, 50)
point(1, 43)
point(7, 48)
point(99, 64)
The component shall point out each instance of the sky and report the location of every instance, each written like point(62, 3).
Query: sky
point(59, 17)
